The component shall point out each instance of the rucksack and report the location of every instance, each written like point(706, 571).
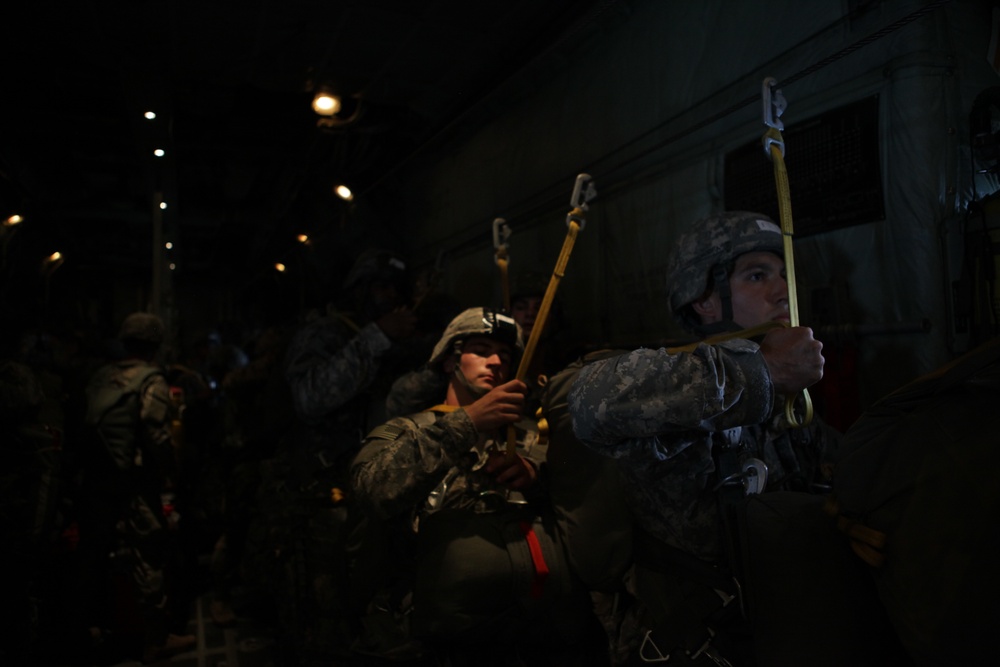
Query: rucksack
point(112, 414)
point(592, 517)
point(916, 492)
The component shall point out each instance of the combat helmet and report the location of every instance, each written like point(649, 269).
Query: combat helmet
point(476, 322)
point(703, 257)
point(142, 327)
point(372, 264)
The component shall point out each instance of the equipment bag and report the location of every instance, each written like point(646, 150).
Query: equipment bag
point(916, 491)
point(593, 518)
point(113, 412)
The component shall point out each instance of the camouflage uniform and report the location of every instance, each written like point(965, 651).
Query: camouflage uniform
point(681, 427)
point(663, 415)
point(123, 480)
point(458, 572)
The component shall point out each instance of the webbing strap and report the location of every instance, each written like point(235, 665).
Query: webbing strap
point(537, 560)
point(502, 263)
point(775, 146)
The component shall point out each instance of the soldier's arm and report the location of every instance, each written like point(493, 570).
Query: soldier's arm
point(401, 463)
point(324, 372)
point(652, 392)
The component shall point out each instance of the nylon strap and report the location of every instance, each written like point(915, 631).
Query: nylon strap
point(537, 560)
point(775, 143)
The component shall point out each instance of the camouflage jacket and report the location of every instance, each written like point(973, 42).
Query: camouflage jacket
point(414, 466)
point(330, 362)
point(665, 417)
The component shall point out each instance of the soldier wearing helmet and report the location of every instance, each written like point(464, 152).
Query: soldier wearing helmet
point(442, 482)
point(684, 425)
point(130, 459)
point(337, 367)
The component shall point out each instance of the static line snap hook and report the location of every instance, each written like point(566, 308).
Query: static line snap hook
point(774, 103)
point(774, 106)
point(501, 232)
point(583, 192)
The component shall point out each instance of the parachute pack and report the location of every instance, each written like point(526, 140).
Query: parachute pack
point(112, 411)
point(915, 491)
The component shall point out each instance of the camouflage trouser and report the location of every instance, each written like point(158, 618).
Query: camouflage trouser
point(299, 544)
point(143, 555)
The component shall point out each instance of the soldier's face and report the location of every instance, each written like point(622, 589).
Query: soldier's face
point(759, 292)
point(524, 310)
point(485, 362)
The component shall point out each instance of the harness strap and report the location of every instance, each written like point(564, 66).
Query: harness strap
point(537, 560)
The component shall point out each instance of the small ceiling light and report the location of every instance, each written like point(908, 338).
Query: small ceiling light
point(172, 266)
point(13, 220)
point(279, 267)
point(158, 152)
point(168, 245)
point(149, 115)
point(51, 263)
point(344, 192)
point(163, 206)
point(325, 103)
point(303, 238)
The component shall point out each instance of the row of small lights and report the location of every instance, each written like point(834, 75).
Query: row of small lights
point(325, 103)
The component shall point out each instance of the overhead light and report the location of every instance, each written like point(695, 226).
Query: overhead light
point(325, 103)
point(51, 263)
point(168, 245)
point(303, 238)
point(158, 152)
point(279, 267)
point(149, 115)
point(172, 266)
point(163, 206)
point(13, 220)
point(344, 192)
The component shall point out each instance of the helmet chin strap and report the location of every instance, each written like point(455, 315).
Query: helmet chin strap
point(474, 391)
point(720, 278)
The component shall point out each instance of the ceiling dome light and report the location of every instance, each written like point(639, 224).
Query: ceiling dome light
point(279, 267)
point(149, 115)
point(325, 103)
point(13, 220)
point(344, 192)
point(158, 152)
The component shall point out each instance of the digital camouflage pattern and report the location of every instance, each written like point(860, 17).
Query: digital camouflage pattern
point(712, 241)
point(477, 322)
point(329, 362)
point(410, 469)
point(660, 415)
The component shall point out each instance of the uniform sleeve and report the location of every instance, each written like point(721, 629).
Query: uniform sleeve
point(648, 393)
point(324, 372)
point(400, 463)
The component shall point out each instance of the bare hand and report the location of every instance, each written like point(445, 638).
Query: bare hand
point(398, 324)
point(794, 358)
point(516, 473)
point(503, 405)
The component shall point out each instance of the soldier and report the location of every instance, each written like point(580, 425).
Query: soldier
point(475, 552)
point(690, 429)
point(131, 462)
point(334, 369)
